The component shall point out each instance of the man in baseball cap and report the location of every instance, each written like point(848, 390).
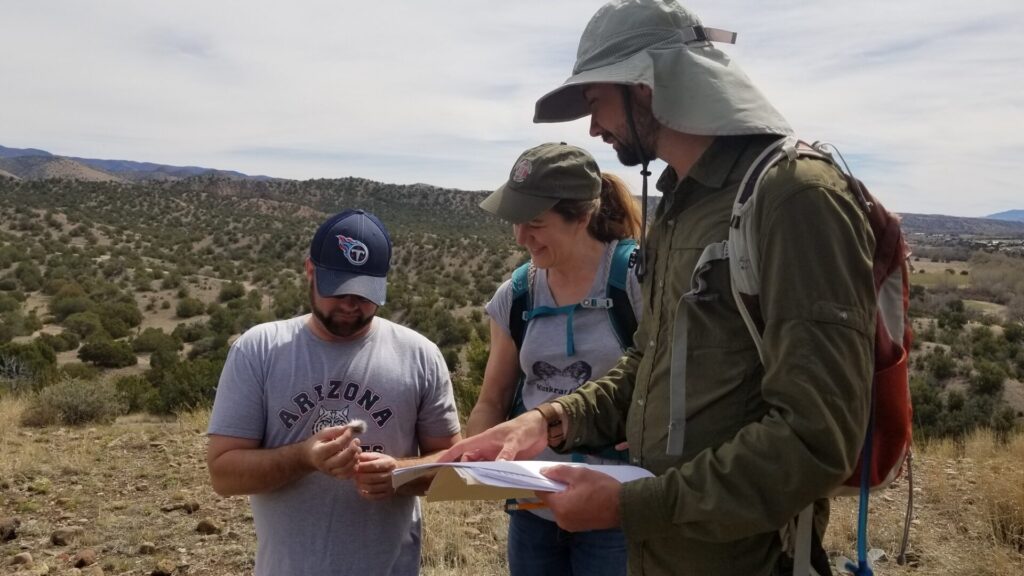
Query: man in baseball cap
point(351, 254)
point(314, 413)
point(763, 438)
point(348, 264)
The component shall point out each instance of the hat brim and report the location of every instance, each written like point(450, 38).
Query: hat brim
point(695, 90)
point(566, 103)
point(338, 283)
point(514, 206)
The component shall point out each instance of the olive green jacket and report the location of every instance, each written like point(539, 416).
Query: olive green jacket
point(761, 442)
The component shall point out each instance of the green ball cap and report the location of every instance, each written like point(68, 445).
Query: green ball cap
point(541, 177)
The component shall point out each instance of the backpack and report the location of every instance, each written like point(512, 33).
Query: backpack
point(616, 302)
point(887, 443)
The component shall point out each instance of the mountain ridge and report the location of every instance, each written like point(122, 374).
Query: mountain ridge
point(1009, 215)
point(33, 164)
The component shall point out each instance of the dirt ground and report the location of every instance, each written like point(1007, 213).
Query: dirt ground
point(136, 493)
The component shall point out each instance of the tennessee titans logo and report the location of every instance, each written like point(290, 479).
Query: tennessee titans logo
point(355, 251)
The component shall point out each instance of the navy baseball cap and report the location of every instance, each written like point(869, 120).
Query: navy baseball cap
point(351, 253)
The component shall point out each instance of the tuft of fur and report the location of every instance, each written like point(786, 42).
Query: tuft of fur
point(358, 426)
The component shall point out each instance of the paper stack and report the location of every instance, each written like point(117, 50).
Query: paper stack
point(500, 480)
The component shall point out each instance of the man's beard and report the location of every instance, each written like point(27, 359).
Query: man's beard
point(340, 328)
point(647, 131)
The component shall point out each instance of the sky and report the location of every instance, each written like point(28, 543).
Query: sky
point(925, 98)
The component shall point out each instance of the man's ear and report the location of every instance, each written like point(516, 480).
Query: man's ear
point(309, 269)
point(642, 93)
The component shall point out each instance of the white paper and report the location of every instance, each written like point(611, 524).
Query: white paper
point(500, 480)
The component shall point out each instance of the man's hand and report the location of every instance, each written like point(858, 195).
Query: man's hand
point(518, 439)
point(373, 475)
point(333, 451)
point(591, 501)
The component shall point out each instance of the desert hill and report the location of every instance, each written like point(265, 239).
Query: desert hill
point(26, 163)
point(962, 226)
point(47, 167)
point(35, 164)
point(1014, 215)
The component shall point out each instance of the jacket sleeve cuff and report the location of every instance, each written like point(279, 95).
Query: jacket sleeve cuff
point(572, 405)
point(644, 510)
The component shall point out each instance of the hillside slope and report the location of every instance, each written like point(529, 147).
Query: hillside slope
point(44, 167)
point(138, 490)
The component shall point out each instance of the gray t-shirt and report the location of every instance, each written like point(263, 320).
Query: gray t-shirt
point(280, 385)
point(550, 371)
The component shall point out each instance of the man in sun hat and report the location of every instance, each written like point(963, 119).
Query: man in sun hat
point(762, 440)
point(313, 414)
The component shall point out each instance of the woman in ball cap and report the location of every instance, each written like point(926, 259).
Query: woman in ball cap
point(554, 326)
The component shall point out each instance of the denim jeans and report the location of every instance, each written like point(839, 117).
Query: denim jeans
point(538, 547)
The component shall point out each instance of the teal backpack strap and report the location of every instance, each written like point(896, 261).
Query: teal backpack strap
point(621, 314)
point(522, 304)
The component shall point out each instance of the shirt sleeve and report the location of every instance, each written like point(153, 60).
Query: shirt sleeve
point(437, 417)
point(500, 306)
point(238, 408)
point(818, 305)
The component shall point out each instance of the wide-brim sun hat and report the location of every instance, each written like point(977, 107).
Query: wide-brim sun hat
point(697, 88)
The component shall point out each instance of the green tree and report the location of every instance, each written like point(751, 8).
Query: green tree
point(107, 353)
point(230, 291)
point(987, 379)
point(928, 406)
point(153, 339)
point(189, 307)
point(26, 366)
point(953, 316)
point(939, 364)
point(186, 385)
point(86, 325)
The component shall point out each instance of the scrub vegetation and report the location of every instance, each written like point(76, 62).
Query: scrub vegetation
point(118, 302)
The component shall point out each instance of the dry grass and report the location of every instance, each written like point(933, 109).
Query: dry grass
point(464, 538)
point(11, 408)
point(113, 481)
point(969, 504)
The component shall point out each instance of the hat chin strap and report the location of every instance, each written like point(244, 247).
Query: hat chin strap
point(638, 149)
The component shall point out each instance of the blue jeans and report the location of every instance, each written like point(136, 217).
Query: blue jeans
point(538, 547)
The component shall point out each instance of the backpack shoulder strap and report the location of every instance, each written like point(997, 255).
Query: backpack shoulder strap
point(743, 234)
point(621, 314)
point(522, 303)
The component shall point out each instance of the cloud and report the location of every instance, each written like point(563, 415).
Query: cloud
point(925, 98)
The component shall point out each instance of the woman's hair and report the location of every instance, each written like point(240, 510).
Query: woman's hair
point(613, 216)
